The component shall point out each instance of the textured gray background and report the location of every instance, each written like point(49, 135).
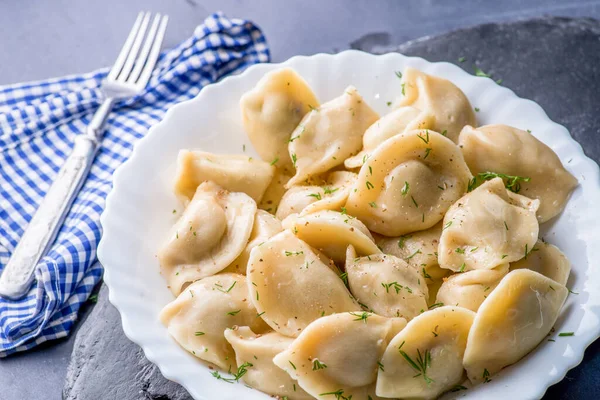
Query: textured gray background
point(42, 38)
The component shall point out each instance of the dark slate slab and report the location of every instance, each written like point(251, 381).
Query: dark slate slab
point(105, 364)
point(554, 61)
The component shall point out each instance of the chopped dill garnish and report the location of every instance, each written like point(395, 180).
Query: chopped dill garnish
point(486, 376)
point(413, 254)
point(405, 188)
point(228, 290)
point(361, 317)
point(317, 365)
point(344, 277)
point(414, 201)
point(511, 182)
point(479, 72)
point(422, 363)
point(424, 138)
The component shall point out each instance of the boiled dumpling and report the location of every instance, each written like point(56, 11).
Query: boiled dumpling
point(336, 190)
point(506, 150)
point(232, 172)
point(511, 322)
point(386, 285)
point(398, 121)
point(408, 183)
point(258, 352)
point(332, 195)
point(470, 289)
point(335, 201)
point(418, 249)
point(328, 135)
point(211, 233)
point(440, 98)
point(425, 358)
point(331, 232)
point(272, 110)
point(298, 198)
point(291, 286)
point(198, 317)
point(265, 227)
point(339, 353)
point(488, 227)
point(548, 260)
point(275, 191)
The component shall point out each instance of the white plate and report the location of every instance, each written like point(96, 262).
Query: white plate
point(139, 213)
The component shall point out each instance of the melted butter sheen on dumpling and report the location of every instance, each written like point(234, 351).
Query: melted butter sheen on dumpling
point(440, 98)
point(259, 350)
point(328, 135)
point(198, 317)
point(291, 285)
point(387, 285)
point(425, 358)
point(272, 110)
point(512, 321)
point(548, 260)
point(511, 151)
point(235, 173)
point(211, 233)
point(408, 183)
point(339, 353)
point(488, 227)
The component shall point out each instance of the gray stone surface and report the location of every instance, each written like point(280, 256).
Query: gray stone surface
point(106, 365)
point(553, 61)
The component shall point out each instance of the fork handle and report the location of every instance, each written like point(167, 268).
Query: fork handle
point(49, 217)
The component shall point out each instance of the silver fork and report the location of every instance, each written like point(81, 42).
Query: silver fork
point(128, 77)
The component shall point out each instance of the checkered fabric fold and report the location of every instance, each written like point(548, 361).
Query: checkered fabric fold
point(38, 122)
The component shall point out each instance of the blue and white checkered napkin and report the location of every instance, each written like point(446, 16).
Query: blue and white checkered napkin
point(38, 122)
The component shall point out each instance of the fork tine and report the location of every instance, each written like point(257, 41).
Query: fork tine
point(141, 59)
point(134, 49)
point(154, 52)
point(114, 71)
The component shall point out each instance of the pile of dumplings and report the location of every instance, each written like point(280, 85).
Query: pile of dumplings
point(365, 256)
